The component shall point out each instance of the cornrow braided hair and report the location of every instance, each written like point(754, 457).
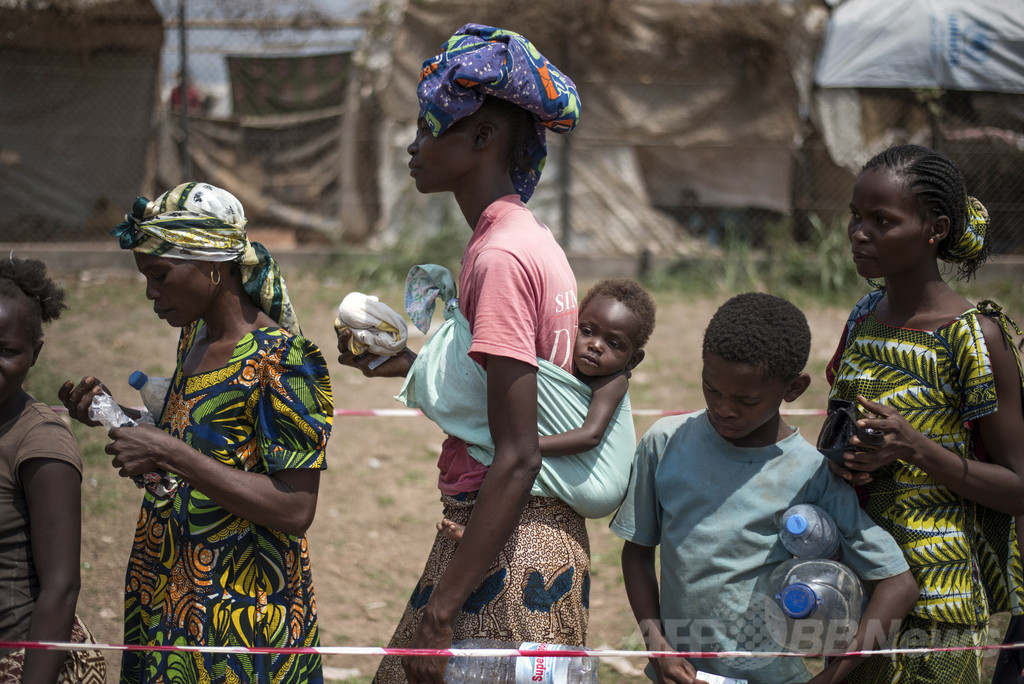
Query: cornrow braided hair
point(939, 186)
point(26, 279)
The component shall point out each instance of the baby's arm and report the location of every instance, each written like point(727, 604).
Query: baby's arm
point(607, 393)
point(890, 602)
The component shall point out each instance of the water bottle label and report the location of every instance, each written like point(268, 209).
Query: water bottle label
point(541, 669)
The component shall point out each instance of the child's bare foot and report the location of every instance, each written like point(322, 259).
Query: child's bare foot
point(450, 529)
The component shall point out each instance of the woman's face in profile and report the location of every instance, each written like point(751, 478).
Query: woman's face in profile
point(179, 289)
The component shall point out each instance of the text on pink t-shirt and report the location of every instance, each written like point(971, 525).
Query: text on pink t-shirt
point(518, 293)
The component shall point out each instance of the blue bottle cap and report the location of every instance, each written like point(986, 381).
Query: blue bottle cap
point(798, 601)
point(795, 524)
point(137, 379)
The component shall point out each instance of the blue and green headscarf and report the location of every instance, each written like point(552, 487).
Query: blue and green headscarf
point(200, 222)
point(480, 61)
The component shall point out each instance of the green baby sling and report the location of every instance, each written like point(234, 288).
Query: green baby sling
point(449, 388)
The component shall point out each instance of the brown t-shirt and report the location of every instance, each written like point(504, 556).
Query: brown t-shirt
point(36, 433)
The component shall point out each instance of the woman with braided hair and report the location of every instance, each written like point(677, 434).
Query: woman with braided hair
point(941, 378)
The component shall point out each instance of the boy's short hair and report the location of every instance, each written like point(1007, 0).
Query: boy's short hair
point(760, 330)
point(634, 297)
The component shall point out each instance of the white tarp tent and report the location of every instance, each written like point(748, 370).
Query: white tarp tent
point(951, 44)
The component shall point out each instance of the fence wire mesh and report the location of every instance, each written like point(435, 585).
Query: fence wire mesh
point(700, 119)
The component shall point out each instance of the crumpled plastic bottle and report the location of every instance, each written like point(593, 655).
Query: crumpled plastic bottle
point(105, 410)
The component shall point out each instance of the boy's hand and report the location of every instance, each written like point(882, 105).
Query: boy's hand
point(857, 478)
point(675, 671)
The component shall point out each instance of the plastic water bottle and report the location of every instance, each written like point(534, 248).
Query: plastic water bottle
point(153, 392)
point(813, 605)
point(521, 669)
point(808, 531)
point(104, 409)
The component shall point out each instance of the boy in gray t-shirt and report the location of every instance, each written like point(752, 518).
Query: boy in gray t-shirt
point(710, 487)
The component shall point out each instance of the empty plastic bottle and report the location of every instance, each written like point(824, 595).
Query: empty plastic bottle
point(521, 669)
point(808, 531)
point(153, 392)
point(813, 605)
point(105, 410)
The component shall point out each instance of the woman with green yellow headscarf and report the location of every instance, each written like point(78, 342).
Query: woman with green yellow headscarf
point(222, 560)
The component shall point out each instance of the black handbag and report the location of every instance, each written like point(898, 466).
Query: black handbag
point(840, 426)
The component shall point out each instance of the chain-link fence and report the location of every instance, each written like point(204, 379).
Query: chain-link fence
point(699, 119)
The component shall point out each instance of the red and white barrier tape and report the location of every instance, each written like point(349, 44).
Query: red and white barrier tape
point(484, 652)
point(636, 412)
point(402, 413)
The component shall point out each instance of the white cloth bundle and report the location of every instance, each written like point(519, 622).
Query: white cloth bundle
point(375, 327)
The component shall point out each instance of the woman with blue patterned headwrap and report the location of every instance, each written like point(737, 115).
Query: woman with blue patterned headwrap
point(482, 61)
point(941, 378)
point(522, 569)
point(222, 559)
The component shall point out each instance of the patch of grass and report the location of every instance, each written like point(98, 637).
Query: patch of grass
point(817, 268)
point(102, 497)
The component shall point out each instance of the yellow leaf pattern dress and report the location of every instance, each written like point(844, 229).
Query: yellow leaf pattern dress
point(199, 575)
point(964, 556)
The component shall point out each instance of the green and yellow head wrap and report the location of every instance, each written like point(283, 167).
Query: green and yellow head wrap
point(971, 242)
point(200, 222)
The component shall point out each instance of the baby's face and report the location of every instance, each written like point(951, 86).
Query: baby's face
point(604, 338)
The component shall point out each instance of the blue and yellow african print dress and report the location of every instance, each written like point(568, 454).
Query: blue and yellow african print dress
point(963, 555)
point(199, 575)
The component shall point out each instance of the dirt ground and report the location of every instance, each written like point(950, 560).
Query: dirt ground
point(378, 499)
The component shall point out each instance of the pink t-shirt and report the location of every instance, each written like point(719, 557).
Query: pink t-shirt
point(518, 293)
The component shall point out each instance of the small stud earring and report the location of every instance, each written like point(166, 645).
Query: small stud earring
point(931, 241)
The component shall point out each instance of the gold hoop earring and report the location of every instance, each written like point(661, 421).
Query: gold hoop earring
point(212, 272)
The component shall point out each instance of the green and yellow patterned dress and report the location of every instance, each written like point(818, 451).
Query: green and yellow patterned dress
point(964, 556)
point(199, 575)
